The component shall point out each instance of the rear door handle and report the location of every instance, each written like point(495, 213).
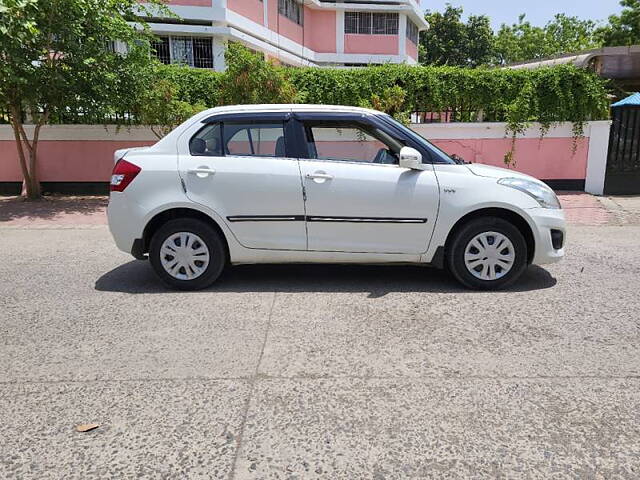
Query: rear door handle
point(202, 172)
point(319, 176)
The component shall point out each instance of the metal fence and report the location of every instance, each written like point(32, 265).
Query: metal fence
point(82, 117)
point(454, 115)
point(623, 160)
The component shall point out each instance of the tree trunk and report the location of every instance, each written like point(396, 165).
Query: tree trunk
point(31, 185)
point(33, 190)
point(17, 128)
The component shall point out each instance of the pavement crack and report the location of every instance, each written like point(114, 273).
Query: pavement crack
point(252, 382)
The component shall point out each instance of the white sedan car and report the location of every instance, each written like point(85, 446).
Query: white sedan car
point(323, 184)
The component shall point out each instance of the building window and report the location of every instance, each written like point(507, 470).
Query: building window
point(292, 10)
point(193, 51)
point(202, 52)
point(160, 49)
point(371, 23)
point(412, 31)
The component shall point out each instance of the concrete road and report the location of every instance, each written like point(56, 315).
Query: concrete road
point(316, 371)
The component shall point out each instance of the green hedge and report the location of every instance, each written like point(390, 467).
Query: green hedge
point(195, 85)
point(545, 95)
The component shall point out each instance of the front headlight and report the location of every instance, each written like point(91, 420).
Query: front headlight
point(543, 194)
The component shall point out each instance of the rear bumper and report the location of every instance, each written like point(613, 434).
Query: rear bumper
point(125, 219)
point(547, 224)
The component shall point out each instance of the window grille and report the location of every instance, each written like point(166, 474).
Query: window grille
point(193, 51)
point(202, 52)
point(292, 10)
point(371, 23)
point(182, 50)
point(412, 31)
point(160, 48)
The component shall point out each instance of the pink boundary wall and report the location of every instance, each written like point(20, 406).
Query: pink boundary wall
point(548, 159)
point(81, 153)
point(66, 160)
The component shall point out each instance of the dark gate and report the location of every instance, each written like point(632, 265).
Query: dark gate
point(623, 161)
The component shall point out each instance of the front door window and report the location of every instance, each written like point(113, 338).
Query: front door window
point(351, 143)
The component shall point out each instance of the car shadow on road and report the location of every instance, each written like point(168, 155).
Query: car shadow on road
point(138, 277)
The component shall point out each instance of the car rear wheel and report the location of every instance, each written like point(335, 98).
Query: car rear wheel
point(187, 254)
point(487, 253)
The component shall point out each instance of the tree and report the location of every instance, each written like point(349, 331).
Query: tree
point(391, 101)
point(162, 111)
point(522, 41)
point(450, 41)
point(480, 41)
point(623, 29)
point(249, 79)
point(61, 56)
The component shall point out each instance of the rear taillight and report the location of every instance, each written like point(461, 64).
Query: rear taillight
point(123, 174)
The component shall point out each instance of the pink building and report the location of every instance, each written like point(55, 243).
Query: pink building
point(293, 32)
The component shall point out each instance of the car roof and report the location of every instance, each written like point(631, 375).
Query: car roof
point(169, 140)
point(293, 107)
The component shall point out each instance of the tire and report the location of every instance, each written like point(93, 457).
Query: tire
point(489, 268)
point(188, 238)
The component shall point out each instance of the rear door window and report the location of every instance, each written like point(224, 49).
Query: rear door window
point(254, 139)
point(207, 142)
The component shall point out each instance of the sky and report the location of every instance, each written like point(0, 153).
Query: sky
point(538, 11)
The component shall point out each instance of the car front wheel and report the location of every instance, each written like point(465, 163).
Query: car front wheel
point(487, 253)
point(187, 254)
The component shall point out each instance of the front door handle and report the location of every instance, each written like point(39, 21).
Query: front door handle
point(202, 172)
point(319, 177)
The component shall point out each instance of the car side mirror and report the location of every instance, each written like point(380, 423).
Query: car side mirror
point(410, 158)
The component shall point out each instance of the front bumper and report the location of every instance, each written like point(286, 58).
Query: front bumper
point(546, 224)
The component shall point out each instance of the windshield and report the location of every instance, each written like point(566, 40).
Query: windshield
point(438, 155)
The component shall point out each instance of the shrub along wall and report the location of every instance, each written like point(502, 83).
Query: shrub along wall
point(545, 95)
point(517, 97)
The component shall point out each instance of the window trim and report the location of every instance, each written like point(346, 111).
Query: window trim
point(378, 120)
point(355, 119)
point(250, 118)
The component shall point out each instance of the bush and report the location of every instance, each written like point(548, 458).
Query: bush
point(250, 79)
point(545, 95)
point(194, 85)
point(518, 97)
point(162, 111)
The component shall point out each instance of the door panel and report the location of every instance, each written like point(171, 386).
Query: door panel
point(243, 175)
point(369, 208)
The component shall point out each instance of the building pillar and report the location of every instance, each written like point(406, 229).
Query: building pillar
point(402, 35)
point(219, 49)
point(340, 31)
point(265, 12)
point(597, 157)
